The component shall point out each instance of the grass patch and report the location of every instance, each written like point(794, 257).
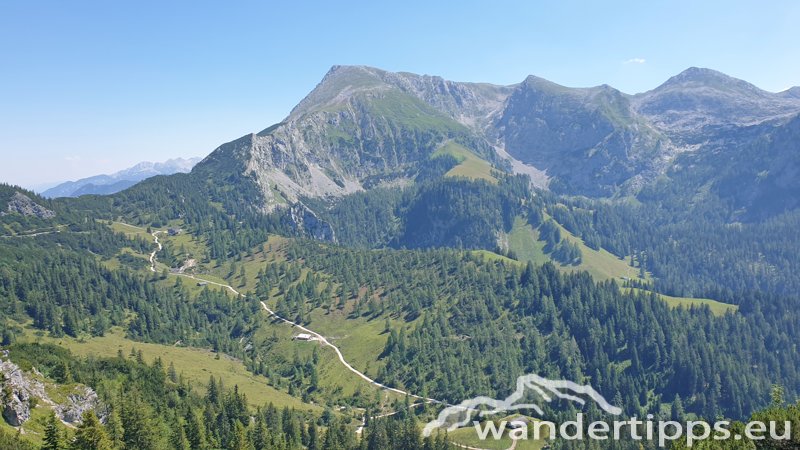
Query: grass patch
point(361, 341)
point(405, 110)
point(492, 256)
point(131, 231)
point(522, 240)
point(196, 365)
point(183, 240)
point(469, 165)
point(468, 436)
point(717, 308)
point(601, 264)
point(337, 385)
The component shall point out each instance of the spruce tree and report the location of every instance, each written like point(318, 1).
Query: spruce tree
point(53, 439)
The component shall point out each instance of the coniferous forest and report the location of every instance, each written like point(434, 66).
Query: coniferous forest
point(401, 243)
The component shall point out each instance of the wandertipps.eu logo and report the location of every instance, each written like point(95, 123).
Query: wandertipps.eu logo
point(532, 391)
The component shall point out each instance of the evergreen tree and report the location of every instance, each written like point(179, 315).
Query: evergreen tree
point(53, 437)
point(90, 434)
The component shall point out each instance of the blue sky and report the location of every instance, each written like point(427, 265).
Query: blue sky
point(91, 87)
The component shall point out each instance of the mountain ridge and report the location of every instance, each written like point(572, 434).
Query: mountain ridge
point(362, 127)
point(110, 183)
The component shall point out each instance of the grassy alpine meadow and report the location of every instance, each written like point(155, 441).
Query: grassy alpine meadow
point(196, 365)
point(524, 241)
point(716, 307)
point(469, 165)
point(601, 264)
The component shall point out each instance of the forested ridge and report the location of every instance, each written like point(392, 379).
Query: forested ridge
point(474, 326)
point(458, 323)
point(152, 407)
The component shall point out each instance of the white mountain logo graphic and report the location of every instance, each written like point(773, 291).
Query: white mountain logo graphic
point(456, 416)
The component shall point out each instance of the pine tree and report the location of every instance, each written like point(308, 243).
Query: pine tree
point(178, 439)
point(53, 439)
point(195, 433)
point(313, 438)
point(90, 434)
point(172, 373)
point(678, 412)
point(240, 440)
point(139, 430)
point(114, 429)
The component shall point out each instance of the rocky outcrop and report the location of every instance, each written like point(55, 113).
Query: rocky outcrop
point(359, 128)
point(83, 399)
point(22, 204)
point(18, 392)
point(305, 222)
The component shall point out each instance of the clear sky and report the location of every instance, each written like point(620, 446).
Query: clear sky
point(88, 87)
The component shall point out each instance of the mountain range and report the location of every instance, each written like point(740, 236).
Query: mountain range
point(435, 240)
point(118, 181)
point(363, 127)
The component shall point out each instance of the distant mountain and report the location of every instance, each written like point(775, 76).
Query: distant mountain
point(793, 92)
point(589, 141)
point(118, 181)
point(363, 127)
point(359, 128)
point(692, 102)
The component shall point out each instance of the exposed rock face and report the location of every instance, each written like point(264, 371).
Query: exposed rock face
point(697, 99)
point(363, 127)
point(18, 390)
point(359, 128)
point(22, 204)
point(306, 222)
point(82, 400)
point(589, 139)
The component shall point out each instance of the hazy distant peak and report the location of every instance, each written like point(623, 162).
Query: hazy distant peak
point(117, 181)
point(698, 97)
point(532, 81)
point(158, 168)
point(793, 92)
point(703, 78)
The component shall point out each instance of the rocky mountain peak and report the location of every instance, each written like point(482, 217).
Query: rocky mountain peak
point(701, 76)
point(471, 104)
point(362, 127)
point(532, 82)
point(338, 85)
point(698, 98)
point(793, 92)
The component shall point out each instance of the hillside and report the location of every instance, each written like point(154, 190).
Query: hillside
point(377, 255)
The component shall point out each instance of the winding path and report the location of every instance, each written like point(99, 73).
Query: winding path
point(272, 313)
point(34, 234)
point(319, 338)
point(153, 255)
